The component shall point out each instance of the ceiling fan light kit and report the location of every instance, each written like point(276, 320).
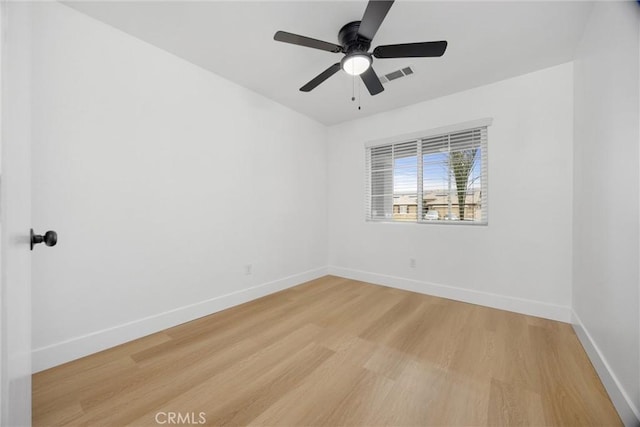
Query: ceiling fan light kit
point(356, 63)
point(355, 40)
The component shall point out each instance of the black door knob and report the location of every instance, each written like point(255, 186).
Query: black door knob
point(50, 238)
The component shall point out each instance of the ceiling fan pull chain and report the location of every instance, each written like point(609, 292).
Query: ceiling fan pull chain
point(353, 88)
point(359, 96)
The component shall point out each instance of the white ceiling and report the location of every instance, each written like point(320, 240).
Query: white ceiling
point(488, 42)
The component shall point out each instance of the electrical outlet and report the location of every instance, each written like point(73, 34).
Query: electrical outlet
point(248, 269)
point(412, 262)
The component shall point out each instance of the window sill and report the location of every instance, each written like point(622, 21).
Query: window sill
point(433, 222)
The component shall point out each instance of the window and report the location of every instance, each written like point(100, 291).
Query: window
point(441, 177)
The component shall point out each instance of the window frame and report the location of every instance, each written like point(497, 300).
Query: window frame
point(418, 137)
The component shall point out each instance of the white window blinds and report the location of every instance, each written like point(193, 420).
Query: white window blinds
point(432, 179)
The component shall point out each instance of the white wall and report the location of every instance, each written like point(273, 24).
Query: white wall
point(606, 197)
point(162, 181)
point(522, 260)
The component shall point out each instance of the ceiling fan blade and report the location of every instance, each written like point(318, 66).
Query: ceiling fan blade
point(373, 16)
point(321, 77)
point(411, 50)
point(283, 36)
point(371, 81)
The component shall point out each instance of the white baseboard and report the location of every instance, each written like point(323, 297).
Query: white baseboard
point(66, 351)
point(625, 406)
point(518, 305)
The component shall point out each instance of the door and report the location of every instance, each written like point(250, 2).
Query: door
point(15, 214)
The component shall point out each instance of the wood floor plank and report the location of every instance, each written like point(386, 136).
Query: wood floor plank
point(162, 384)
point(511, 405)
point(565, 374)
point(326, 387)
point(335, 351)
point(238, 410)
point(276, 367)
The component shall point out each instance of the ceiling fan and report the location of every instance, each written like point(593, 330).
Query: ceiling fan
point(355, 40)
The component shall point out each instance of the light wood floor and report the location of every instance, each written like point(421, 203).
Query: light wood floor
point(337, 352)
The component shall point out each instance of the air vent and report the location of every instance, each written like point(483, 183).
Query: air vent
point(396, 75)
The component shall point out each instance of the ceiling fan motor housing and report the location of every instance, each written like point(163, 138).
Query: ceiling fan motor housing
point(350, 41)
